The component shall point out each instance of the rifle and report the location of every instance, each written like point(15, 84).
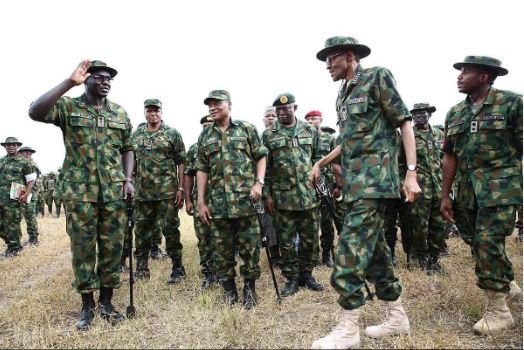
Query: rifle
point(258, 208)
point(326, 200)
point(130, 312)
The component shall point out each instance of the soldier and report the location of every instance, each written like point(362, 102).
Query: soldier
point(293, 148)
point(97, 170)
point(483, 146)
point(160, 154)
point(270, 115)
point(29, 209)
point(327, 144)
point(429, 228)
point(369, 110)
point(57, 195)
point(49, 186)
point(40, 201)
point(203, 234)
point(13, 169)
point(231, 165)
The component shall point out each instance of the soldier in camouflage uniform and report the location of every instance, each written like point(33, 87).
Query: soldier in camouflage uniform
point(29, 209)
point(369, 110)
point(203, 233)
point(50, 183)
point(40, 201)
point(13, 169)
point(429, 227)
point(483, 146)
point(97, 172)
point(160, 156)
point(231, 166)
point(293, 148)
point(327, 144)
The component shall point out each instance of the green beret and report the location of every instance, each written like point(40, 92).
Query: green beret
point(284, 99)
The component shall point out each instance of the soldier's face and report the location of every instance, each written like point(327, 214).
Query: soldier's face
point(269, 118)
point(471, 79)
point(26, 154)
point(99, 83)
point(420, 118)
point(337, 65)
point(153, 114)
point(286, 114)
point(11, 148)
point(315, 121)
point(219, 110)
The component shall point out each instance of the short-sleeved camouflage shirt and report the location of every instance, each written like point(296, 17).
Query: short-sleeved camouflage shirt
point(158, 153)
point(487, 142)
point(94, 140)
point(369, 111)
point(229, 158)
point(292, 154)
point(12, 169)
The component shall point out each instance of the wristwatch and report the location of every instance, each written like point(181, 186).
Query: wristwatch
point(412, 167)
point(260, 181)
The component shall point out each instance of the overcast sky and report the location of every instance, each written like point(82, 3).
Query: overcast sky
point(179, 51)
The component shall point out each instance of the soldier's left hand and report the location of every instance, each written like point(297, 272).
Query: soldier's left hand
point(410, 188)
point(129, 190)
point(179, 199)
point(23, 197)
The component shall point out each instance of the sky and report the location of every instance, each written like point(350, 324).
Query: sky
point(179, 51)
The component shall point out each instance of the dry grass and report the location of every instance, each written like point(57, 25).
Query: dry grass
point(38, 308)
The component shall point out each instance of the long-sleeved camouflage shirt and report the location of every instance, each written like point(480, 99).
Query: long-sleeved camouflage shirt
point(487, 142)
point(158, 155)
point(327, 144)
point(292, 153)
point(94, 140)
point(229, 158)
point(369, 111)
point(12, 169)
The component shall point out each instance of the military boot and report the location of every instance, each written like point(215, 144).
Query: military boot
point(346, 334)
point(230, 291)
point(497, 316)
point(396, 322)
point(290, 288)
point(307, 280)
point(515, 293)
point(178, 272)
point(142, 270)
point(249, 296)
point(156, 252)
point(33, 239)
point(209, 280)
point(107, 310)
point(327, 259)
point(87, 313)
point(433, 265)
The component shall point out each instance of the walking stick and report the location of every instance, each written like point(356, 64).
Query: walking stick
point(130, 311)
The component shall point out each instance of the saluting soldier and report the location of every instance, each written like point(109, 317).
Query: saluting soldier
point(29, 209)
point(483, 147)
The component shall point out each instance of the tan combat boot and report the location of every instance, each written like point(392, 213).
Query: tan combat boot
point(497, 316)
point(345, 335)
point(396, 322)
point(515, 293)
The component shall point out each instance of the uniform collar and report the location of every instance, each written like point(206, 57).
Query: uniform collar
point(83, 103)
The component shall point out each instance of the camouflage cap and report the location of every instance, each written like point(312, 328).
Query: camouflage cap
point(313, 113)
point(338, 43)
point(284, 99)
point(423, 107)
point(153, 102)
point(327, 129)
point(26, 148)
point(11, 140)
point(206, 119)
point(220, 95)
point(489, 62)
point(97, 65)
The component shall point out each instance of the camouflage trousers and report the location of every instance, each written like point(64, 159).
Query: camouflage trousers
point(398, 215)
point(485, 230)
point(96, 231)
point(341, 208)
point(362, 253)
point(227, 235)
point(156, 237)
point(49, 201)
point(29, 214)
point(205, 247)
point(429, 227)
point(40, 204)
point(163, 214)
point(10, 231)
point(304, 223)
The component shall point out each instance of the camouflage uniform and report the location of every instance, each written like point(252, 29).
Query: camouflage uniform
point(369, 110)
point(292, 153)
point(487, 142)
point(12, 169)
point(229, 160)
point(29, 209)
point(40, 201)
point(158, 155)
point(92, 187)
point(50, 183)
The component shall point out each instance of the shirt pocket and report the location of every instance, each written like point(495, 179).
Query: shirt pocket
point(493, 134)
point(116, 128)
point(80, 128)
point(358, 118)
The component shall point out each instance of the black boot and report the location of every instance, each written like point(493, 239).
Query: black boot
point(87, 313)
point(433, 265)
point(307, 280)
point(230, 291)
point(142, 270)
point(290, 288)
point(178, 272)
point(209, 279)
point(327, 259)
point(156, 252)
point(33, 239)
point(249, 296)
point(58, 212)
point(107, 310)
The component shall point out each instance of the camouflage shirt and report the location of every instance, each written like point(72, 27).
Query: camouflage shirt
point(369, 111)
point(191, 170)
point(292, 153)
point(94, 140)
point(487, 141)
point(158, 153)
point(12, 169)
point(327, 144)
point(229, 158)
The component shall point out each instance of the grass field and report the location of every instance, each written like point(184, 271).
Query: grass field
point(38, 307)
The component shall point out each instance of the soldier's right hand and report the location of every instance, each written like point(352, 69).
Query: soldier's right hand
point(314, 176)
point(446, 209)
point(204, 214)
point(80, 74)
